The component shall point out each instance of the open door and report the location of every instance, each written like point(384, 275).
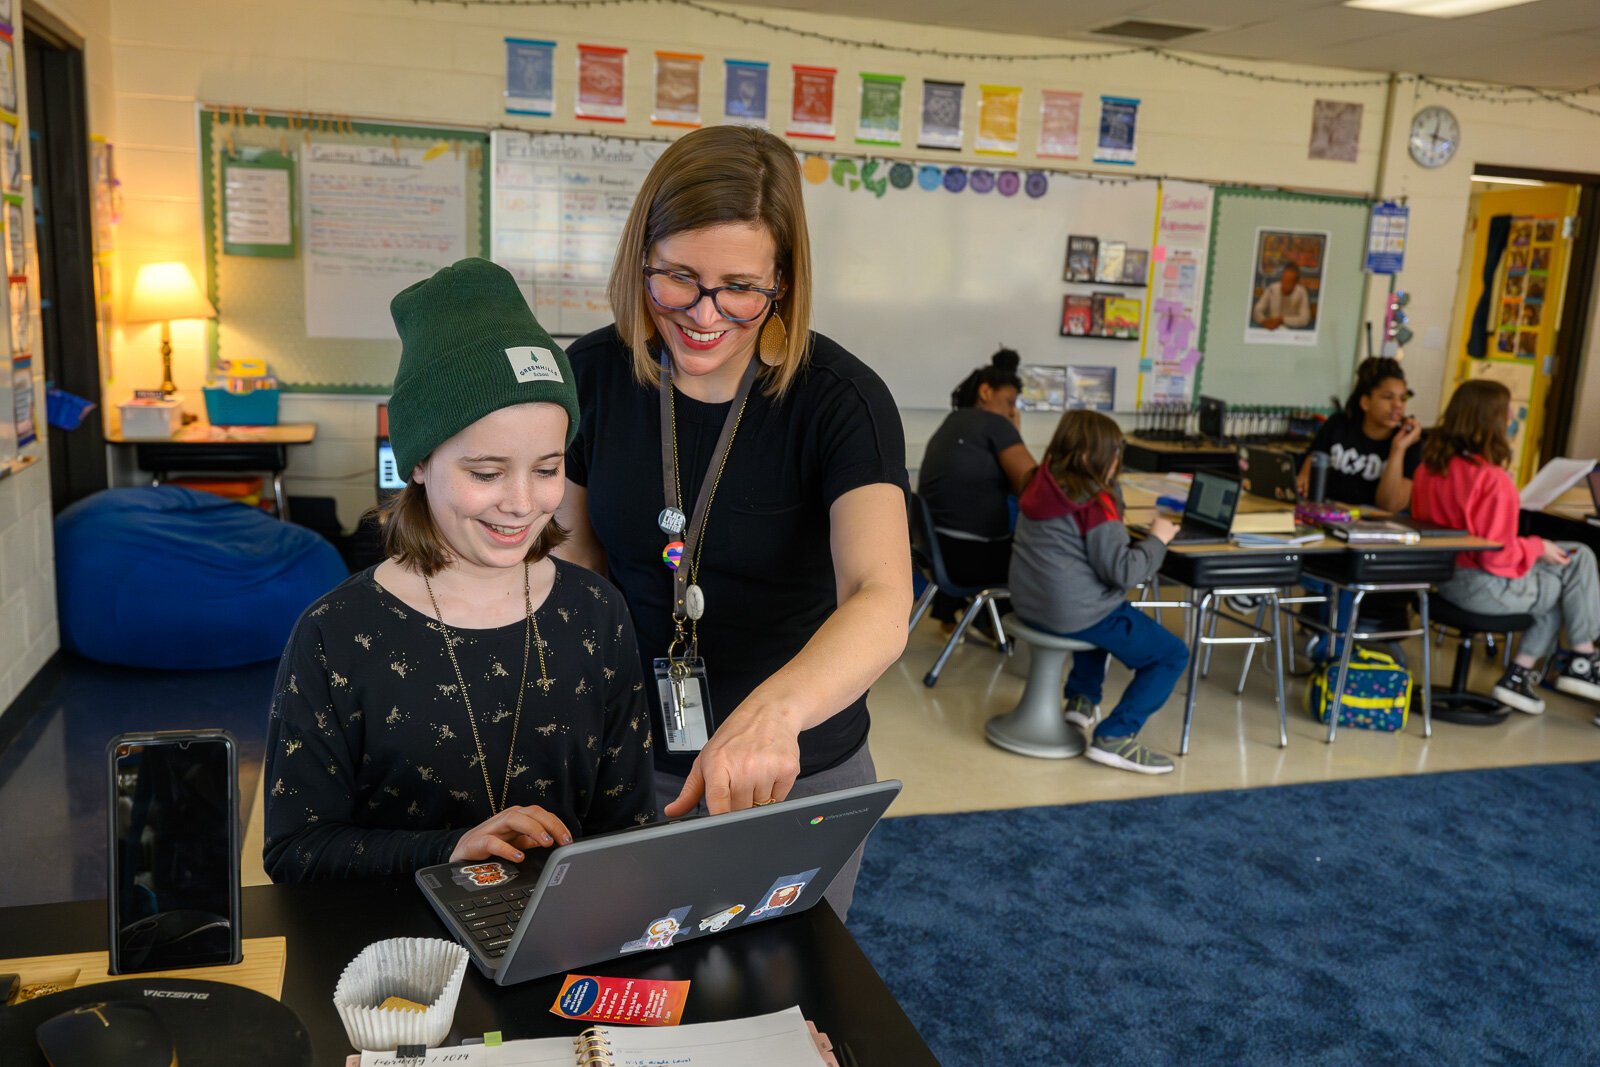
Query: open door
point(1514, 281)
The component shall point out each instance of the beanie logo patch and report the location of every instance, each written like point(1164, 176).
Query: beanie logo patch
point(531, 364)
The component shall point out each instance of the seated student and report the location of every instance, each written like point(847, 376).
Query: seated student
point(1071, 568)
point(470, 697)
point(975, 460)
point(1463, 483)
point(1372, 445)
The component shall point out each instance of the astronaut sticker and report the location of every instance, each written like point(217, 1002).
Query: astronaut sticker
point(784, 892)
point(483, 875)
point(660, 932)
point(721, 919)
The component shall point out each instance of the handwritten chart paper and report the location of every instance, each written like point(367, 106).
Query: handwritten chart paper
point(376, 220)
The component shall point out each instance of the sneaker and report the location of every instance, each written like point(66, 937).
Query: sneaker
point(1081, 711)
point(1580, 677)
point(1516, 690)
point(1127, 754)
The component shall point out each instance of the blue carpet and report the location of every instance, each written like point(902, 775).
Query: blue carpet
point(1438, 919)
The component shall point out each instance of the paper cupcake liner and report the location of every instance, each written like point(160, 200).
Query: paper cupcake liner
point(421, 969)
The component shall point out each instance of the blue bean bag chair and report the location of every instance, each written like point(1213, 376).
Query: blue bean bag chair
point(177, 579)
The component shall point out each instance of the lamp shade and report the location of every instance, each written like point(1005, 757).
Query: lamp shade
point(165, 291)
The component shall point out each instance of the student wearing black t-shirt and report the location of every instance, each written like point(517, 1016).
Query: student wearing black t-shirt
point(796, 591)
point(975, 461)
point(1373, 446)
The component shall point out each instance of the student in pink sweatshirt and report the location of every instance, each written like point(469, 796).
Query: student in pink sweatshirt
point(1463, 483)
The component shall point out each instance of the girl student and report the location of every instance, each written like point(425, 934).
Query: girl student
point(1372, 444)
point(1072, 564)
point(1463, 483)
point(470, 697)
point(975, 461)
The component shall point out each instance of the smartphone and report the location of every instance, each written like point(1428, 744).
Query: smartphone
point(173, 864)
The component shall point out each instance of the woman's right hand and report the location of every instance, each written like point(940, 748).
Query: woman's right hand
point(507, 834)
point(1554, 553)
point(1163, 529)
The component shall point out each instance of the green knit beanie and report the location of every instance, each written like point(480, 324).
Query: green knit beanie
point(469, 346)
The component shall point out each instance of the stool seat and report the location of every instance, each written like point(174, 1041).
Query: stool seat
point(1459, 618)
point(1036, 726)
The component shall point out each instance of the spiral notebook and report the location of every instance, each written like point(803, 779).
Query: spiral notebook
point(780, 1039)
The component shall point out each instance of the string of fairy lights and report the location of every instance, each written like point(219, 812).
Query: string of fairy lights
point(1479, 92)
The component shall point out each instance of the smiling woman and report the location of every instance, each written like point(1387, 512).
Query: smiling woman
point(762, 464)
point(397, 738)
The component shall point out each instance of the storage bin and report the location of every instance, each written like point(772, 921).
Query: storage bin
point(151, 418)
point(258, 408)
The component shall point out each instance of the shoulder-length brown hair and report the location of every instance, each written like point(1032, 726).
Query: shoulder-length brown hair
point(1474, 426)
point(411, 538)
point(1085, 447)
point(714, 175)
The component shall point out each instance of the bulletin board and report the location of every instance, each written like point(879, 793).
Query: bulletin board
point(355, 244)
point(1247, 363)
point(920, 271)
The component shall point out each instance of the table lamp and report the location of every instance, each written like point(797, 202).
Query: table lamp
point(163, 292)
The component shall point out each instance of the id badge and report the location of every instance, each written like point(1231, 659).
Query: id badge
point(685, 704)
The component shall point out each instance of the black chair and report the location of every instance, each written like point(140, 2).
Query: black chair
point(926, 556)
point(1458, 704)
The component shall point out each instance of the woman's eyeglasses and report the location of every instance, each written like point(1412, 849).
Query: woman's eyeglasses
point(679, 292)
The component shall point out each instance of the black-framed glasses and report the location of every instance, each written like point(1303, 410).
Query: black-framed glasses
point(679, 292)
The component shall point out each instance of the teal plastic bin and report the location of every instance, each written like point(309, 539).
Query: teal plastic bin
point(258, 408)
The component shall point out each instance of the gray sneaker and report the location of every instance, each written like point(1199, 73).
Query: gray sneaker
point(1080, 711)
point(1127, 754)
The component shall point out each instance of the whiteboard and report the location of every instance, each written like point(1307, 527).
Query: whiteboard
point(922, 284)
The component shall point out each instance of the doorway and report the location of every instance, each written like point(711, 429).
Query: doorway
point(58, 128)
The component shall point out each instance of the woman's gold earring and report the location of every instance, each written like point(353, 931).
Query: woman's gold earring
point(774, 341)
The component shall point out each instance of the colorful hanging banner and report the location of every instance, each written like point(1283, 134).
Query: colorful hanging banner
point(677, 89)
point(530, 77)
point(811, 106)
point(22, 400)
point(744, 96)
point(998, 109)
point(1118, 117)
point(1058, 124)
point(602, 77)
point(880, 109)
point(941, 115)
point(1170, 348)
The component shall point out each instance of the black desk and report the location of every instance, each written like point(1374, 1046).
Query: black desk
point(807, 959)
point(204, 449)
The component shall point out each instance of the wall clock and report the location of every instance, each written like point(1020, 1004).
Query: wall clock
point(1435, 136)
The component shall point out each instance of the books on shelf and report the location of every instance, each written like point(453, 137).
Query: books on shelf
point(1135, 266)
point(1121, 315)
point(1113, 254)
point(1101, 315)
point(1081, 255)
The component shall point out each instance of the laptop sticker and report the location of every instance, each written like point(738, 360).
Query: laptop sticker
point(483, 875)
point(660, 932)
point(784, 891)
point(722, 918)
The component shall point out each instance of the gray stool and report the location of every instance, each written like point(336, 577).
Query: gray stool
point(1035, 727)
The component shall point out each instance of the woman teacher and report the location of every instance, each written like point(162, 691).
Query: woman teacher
point(742, 481)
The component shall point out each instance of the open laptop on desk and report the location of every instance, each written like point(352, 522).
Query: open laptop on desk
point(639, 890)
point(1270, 473)
point(1208, 513)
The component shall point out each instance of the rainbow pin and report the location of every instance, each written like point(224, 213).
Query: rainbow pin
point(672, 555)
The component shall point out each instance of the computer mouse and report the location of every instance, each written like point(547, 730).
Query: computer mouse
point(110, 1032)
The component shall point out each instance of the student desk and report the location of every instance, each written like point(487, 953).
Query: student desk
point(1570, 518)
point(809, 959)
point(201, 448)
point(1145, 454)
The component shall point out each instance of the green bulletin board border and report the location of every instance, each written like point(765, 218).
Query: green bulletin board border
point(214, 120)
point(1221, 192)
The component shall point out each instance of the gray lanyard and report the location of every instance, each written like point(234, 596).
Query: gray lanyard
point(689, 566)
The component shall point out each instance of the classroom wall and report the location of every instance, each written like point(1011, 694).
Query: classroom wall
point(416, 61)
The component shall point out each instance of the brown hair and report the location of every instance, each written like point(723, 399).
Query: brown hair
point(412, 540)
point(1085, 445)
point(715, 175)
point(1474, 427)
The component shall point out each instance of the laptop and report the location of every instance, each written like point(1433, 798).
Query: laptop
point(1208, 513)
point(649, 888)
point(1269, 473)
point(389, 480)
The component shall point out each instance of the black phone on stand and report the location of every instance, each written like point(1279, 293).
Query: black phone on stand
point(173, 863)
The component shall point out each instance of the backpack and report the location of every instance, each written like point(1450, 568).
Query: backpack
point(1377, 692)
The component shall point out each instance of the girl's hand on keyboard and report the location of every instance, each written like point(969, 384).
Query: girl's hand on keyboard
point(509, 833)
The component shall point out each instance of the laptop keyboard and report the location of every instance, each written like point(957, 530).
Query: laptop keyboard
point(489, 920)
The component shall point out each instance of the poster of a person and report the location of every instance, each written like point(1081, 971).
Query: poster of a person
point(1286, 287)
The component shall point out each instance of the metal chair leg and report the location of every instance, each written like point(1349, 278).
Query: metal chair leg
point(1277, 670)
point(1250, 650)
point(1427, 668)
point(1205, 668)
point(932, 677)
point(999, 628)
point(1336, 694)
point(1203, 605)
point(924, 602)
point(1506, 659)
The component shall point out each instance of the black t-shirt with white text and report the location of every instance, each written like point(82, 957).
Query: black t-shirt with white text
point(1356, 461)
point(766, 567)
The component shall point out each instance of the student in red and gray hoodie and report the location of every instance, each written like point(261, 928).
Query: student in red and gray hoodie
point(1072, 564)
point(1463, 483)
